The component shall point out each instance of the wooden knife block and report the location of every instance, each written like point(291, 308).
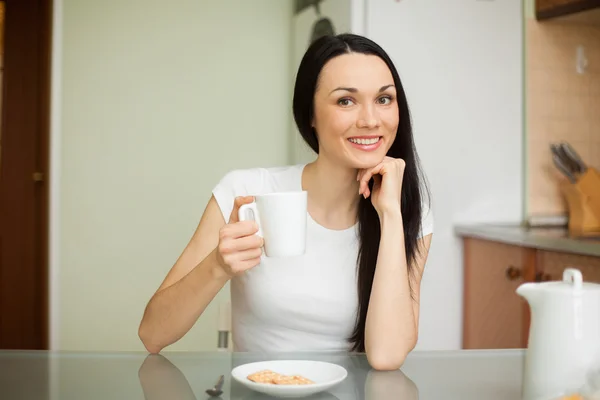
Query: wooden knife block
point(583, 201)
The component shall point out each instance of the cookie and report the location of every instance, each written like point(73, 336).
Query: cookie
point(270, 377)
point(300, 380)
point(264, 376)
point(292, 380)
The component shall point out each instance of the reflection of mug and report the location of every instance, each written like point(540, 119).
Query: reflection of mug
point(281, 219)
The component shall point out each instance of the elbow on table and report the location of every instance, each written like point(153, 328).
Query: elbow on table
point(385, 359)
point(147, 341)
point(385, 362)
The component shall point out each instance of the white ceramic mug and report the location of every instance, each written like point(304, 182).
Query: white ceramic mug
point(281, 219)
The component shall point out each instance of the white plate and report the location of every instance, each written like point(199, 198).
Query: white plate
point(325, 375)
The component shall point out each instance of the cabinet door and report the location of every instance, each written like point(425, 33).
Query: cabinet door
point(552, 264)
point(495, 317)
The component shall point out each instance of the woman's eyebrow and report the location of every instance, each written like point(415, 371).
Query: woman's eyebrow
point(354, 90)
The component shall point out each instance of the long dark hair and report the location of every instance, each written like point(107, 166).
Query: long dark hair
point(318, 54)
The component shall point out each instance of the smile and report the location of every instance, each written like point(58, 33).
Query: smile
point(366, 143)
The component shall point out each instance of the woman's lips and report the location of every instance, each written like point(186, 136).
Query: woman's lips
point(366, 143)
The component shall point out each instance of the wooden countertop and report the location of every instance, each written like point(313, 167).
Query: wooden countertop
point(552, 239)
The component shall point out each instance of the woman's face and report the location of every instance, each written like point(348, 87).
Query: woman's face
point(356, 112)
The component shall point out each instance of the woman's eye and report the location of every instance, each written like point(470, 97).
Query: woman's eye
point(345, 102)
point(385, 100)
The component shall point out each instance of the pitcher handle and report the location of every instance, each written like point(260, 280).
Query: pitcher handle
point(573, 275)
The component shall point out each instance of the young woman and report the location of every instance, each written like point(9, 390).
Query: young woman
point(368, 232)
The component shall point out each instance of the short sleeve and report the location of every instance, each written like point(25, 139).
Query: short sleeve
point(235, 183)
point(426, 220)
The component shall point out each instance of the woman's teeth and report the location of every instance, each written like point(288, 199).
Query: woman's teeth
point(365, 141)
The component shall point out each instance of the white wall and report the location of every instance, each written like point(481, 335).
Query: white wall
point(461, 65)
point(154, 102)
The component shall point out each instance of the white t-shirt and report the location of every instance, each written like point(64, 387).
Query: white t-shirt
point(305, 303)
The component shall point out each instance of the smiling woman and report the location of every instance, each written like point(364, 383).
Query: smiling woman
point(369, 228)
point(365, 115)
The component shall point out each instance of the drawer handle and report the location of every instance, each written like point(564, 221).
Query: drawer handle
point(513, 273)
point(542, 277)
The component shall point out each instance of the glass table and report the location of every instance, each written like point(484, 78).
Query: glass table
point(447, 375)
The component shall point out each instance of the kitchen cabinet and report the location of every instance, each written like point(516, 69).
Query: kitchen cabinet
point(547, 9)
point(494, 316)
point(553, 264)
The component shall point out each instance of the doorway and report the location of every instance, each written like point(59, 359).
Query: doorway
point(24, 159)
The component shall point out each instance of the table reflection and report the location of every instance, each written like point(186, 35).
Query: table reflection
point(160, 378)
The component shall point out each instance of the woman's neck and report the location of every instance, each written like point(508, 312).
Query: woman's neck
point(332, 194)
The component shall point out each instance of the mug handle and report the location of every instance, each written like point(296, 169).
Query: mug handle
point(242, 215)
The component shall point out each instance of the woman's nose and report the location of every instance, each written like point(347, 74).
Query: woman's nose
point(368, 119)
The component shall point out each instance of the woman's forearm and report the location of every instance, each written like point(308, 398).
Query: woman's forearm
point(173, 311)
point(390, 331)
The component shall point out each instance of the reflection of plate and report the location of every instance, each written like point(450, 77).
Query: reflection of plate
point(325, 375)
point(317, 396)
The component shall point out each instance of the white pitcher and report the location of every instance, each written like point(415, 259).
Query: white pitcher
point(564, 336)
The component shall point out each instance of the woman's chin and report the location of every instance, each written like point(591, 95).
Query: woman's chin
point(366, 161)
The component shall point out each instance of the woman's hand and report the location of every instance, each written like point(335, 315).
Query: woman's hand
point(239, 247)
point(387, 187)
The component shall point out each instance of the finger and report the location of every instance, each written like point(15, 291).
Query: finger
point(247, 243)
point(237, 203)
point(364, 180)
point(247, 264)
point(378, 169)
point(365, 175)
point(239, 229)
point(361, 175)
point(243, 228)
point(247, 255)
point(358, 178)
point(401, 163)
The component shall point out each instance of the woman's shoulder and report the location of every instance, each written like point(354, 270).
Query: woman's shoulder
point(259, 179)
